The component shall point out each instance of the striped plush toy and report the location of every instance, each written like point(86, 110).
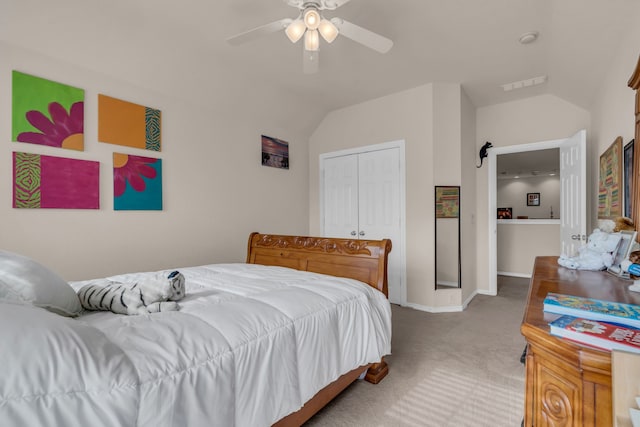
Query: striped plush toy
point(150, 295)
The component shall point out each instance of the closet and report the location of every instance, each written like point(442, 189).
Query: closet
point(362, 198)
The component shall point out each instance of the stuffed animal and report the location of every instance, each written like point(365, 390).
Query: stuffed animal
point(606, 225)
point(634, 258)
point(623, 223)
point(619, 224)
point(151, 295)
point(596, 255)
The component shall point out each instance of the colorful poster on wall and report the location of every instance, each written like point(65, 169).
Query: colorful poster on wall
point(610, 182)
point(45, 112)
point(275, 152)
point(124, 123)
point(447, 202)
point(137, 183)
point(41, 182)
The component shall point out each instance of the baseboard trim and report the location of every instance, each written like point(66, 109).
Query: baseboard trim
point(443, 309)
point(507, 273)
point(430, 309)
point(471, 297)
point(447, 284)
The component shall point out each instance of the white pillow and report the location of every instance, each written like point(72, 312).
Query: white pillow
point(24, 279)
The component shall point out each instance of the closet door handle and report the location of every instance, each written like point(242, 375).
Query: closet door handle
point(362, 233)
point(353, 233)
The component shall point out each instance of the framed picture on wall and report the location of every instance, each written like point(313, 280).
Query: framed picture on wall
point(622, 252)
point(610, 182)
point(627, 177)
point(505, 213)
point(447, 201)
point(533, 199)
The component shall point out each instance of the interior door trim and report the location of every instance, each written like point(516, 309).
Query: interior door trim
point(492, 194)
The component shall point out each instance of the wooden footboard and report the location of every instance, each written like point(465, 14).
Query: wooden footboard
point(364, 260)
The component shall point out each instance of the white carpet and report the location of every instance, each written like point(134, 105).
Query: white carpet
point(446, 370)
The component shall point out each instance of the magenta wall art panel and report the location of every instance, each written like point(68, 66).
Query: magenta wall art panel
point(55, 182)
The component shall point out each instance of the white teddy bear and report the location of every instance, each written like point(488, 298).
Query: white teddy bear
point(596, 255)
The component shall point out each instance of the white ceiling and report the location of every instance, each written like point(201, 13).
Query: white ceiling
point(471, 42)
point(528, 164)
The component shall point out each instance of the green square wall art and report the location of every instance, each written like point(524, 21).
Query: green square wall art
point(46, 112)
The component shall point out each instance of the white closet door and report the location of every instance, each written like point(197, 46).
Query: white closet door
point(341, 197)
point(379, 195)
point(362, 200)
point(379, 198)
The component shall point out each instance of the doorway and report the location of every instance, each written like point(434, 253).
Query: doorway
point(573, 193)
point(362, 196)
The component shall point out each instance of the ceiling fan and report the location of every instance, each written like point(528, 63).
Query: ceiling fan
point(311, 24)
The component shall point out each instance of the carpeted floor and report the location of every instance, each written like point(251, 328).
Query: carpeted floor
point(447, 369)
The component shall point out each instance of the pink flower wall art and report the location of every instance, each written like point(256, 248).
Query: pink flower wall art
point(47, 112)
point(137, 182)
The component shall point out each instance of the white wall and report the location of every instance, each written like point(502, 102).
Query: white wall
point(614, 105)
point(215, 189)
point(402, 116)
point(512, 193)
point(433, 157)
point(519, 244)
point(535, 119)
point(468, 220)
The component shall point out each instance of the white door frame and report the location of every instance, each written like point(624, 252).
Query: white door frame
point(493, 203)
point(396, 246)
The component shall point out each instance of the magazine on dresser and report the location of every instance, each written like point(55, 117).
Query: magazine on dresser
point(602, 335)
point(594, 309)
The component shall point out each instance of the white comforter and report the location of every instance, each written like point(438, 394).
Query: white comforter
point(249, 345)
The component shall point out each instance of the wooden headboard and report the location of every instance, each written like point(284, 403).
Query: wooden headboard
point(364, 260)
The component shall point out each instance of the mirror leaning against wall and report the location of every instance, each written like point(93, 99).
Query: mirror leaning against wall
point(447, 237)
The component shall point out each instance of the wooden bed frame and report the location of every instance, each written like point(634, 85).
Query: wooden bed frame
point(364, 260)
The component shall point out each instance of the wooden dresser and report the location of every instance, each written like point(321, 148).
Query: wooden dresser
point(567, 384)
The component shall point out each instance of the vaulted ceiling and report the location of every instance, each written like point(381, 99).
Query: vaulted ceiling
point(471, 42)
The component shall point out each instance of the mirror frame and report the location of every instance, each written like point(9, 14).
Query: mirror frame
point(446, 209)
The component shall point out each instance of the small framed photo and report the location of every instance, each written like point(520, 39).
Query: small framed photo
point(622, 252)
point(627, 177)
point(275, 152)
point(533, 199)
point(505, 213)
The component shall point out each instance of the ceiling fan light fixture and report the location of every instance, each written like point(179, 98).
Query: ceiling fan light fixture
point(312, 18)
point(296, 30)
point(328, 31)
point(311, 40)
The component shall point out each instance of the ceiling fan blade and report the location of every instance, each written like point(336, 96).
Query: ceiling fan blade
point(363, 36)
point(258, 32)
point(334, 4)
point(310, 62)
point(320, 4)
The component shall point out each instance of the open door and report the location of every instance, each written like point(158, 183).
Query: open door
point(573, 197)
point(573, 193)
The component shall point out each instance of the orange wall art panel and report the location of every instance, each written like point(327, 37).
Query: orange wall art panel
point(128, 124)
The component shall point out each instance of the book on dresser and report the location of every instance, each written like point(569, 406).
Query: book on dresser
point(591, 308)
point(602, 335)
